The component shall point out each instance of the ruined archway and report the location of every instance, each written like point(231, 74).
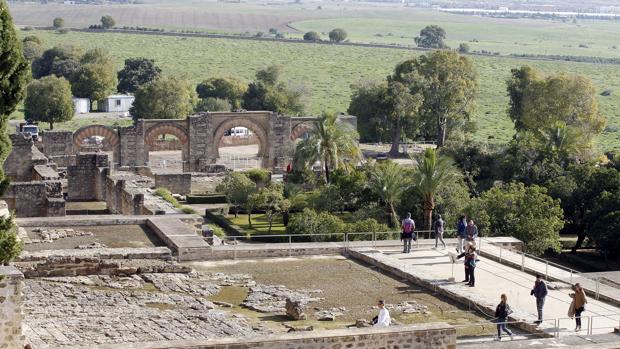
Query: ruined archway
point(300, 131)
point(261, 154)
point(96, 137)
point(170, 154)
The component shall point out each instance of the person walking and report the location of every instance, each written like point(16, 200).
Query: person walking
point(470, 265)
point(461, 227)
point(471, 232)
point(540, 292)
point(439, 227)
point(501, 313)
point(407, 232)
point(383, 319)
point(580, 301)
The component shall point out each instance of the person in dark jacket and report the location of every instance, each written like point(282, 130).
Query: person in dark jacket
point(470, 265)
point(540, 292)
point(501, 313)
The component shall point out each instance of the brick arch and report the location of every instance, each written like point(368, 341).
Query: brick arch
point(150, 137)
point(255, 127)
point(109, 134)
point(299, 129)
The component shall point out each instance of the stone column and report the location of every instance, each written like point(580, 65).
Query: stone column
point(11, 285)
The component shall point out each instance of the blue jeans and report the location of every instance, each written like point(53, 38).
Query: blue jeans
point(501, 326)
point(540, 303)
point(407, 245)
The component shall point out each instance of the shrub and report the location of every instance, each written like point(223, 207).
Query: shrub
point(167, 196)
point(217, 230)
point(338, 35)
point(188, 210)
point(463, 48)
point(312, 36)
point(258, 175)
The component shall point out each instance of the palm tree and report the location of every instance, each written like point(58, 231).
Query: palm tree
point(388, 183)
point(431, 173)
point(332, 143)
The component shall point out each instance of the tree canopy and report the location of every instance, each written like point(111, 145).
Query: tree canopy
point(32, 47)
point(94, 81)
point(43, 65)
point(107, 22)
point(312, 36)
point(49, 100)
point(527, 213)
point(230, 89)
point(338, 35)
point(163, 98)
point(431, 36)
point(135, 73)
point(269, 93)
point(58, 22)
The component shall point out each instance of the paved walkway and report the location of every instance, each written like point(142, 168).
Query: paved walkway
point(432, 268)
point(552, 272)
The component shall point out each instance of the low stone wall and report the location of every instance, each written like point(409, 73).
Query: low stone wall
point(423, 336)
point(35, 199)
point(11, 285)
point(181, 238)
point(162, 253)
point(177, 183)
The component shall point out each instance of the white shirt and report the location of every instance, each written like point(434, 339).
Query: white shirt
point(384, 318)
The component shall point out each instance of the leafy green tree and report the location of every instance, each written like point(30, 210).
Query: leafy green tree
point(563, 102)
point(272, 200)
point(65, 68)
point(230, 89)
point(96, 56)
point(432, 172)
point(94, 81)
point(163, 98)
point(135, 73)
point(268, 93)
point(14, 76)
point(32, 47)
point(213, 104)
point(312, 36)
point(447, 83)
point(338, 35)
point(10, 245)
point(237, 188)
point(404, 110)
point(464, 47)
point(107, 22)
point(369, 104)
point(49, 100)
point(58, 23)
point(386, 180)
point(42, 66)
point(526, 213)
point(331, 143)
point(431, 36)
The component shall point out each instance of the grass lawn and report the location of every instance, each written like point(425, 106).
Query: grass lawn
point(327, 72)
point(260, 225)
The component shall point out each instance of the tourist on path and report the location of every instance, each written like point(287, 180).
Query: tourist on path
point(439, 227)
point(501, 313)
point(470, 265)
point(407, 234)
point(471, 232)
point(540, 292)
point(579, 304)
point(383, 319)
point(461, 227)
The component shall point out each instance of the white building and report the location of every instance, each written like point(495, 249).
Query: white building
point(116, 103)
point(82, 105)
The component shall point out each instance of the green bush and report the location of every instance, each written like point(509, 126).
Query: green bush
point(217, 230)
point(188, 210)
point(167, 196)
point(258, 175)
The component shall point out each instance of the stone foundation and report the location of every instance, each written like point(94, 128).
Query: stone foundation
point(11, 285)
point(423, 336)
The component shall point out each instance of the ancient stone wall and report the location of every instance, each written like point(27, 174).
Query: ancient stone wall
point(58, 147)
point(177, 183)
point(422, 336)
point(11, 285)
point(87, 177)
point(19, 165)
point(35, 199)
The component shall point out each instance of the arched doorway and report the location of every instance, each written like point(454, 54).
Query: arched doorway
point(168, 147)
point(240, 144)
point(94, 138)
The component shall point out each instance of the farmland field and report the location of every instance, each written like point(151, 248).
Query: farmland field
point(328, 71)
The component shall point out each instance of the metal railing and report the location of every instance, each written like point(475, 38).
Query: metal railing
point(522, 264)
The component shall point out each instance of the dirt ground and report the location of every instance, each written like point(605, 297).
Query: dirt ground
point(114, 236)
point(344, 282)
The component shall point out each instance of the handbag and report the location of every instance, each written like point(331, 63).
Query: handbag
point(571, 310)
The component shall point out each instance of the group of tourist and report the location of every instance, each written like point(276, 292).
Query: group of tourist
point(467, 233)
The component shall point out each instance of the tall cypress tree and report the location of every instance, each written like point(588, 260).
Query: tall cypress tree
point(14, 76)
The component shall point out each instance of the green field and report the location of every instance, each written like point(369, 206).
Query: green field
point(328, 71)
